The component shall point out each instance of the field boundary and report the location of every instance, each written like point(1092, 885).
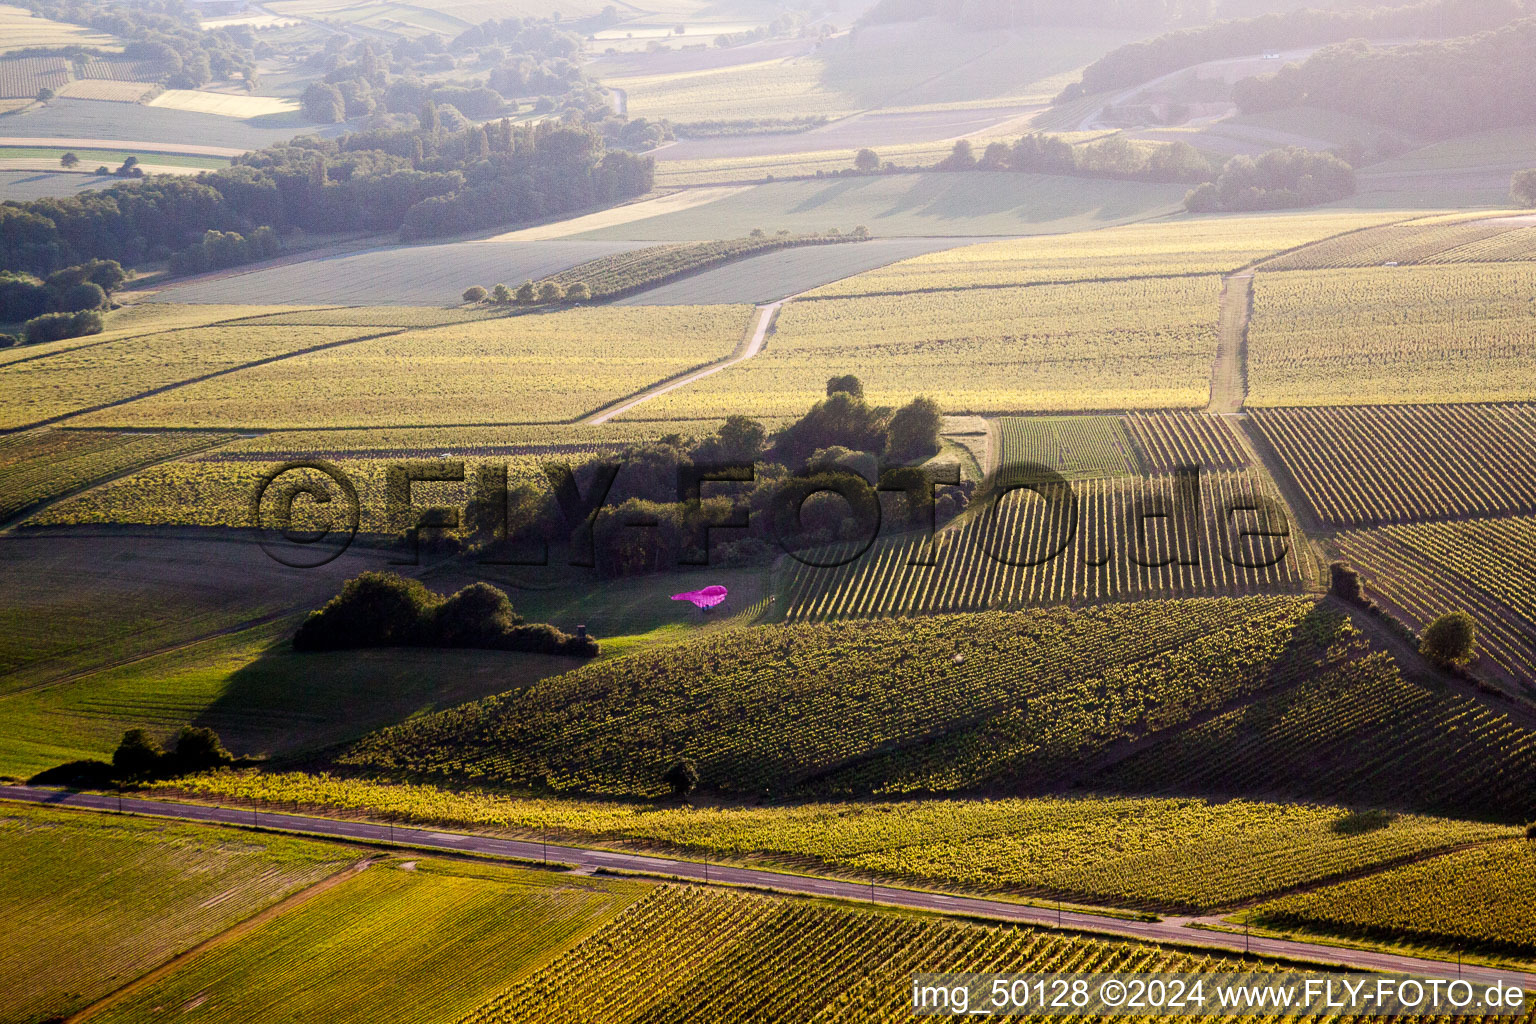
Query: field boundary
point(206, 377)
point(230, 934)
point(1170, 932)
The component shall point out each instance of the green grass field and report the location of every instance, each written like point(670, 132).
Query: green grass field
point(95, 900)
point(428, 939)
point(112, 157)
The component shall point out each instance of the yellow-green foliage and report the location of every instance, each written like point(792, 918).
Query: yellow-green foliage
point(1365, 465)
point(95, 374)
point(1133, 250)
point(20, 29)
point(39, 465)
point(1109, 849)
point(431, 938)
point(932, 703)
point(1393, 335)
point(1431, 240)
point(1020, 553)
point(92, 902)
point(1481, 566)
point(1128, 344)
point(146, 318)
point(218, 492)
point(1170, 441)
point(1483, 896)
point(1077, 447)
point(523, 369)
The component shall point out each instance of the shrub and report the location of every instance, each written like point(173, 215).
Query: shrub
point(475, 293)
point(8, 340)
point(526, 292)
point(57, 326)
point(550, 291)
point(578, 292)
point(1449, 639)
point(138, 756)
point(501, 295)
point(477, 616)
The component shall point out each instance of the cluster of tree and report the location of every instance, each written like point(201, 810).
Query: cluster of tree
point(529, 294)
point(88, 286)
point(841, 446)
point(382, 609)
point(166, 32)
point(220, 249)
point(417, 178)
point(1112, 157)
point(1143, 61)
point(1279, 179)
point(140, 756)
point(1440, 88)
point(58, 326)
point(1522, 188)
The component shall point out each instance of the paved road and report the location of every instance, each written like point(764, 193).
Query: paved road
point(1172, 931)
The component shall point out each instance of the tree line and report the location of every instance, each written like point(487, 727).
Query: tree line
point(1438, 88)
point(1143, 61)
point(1277, 180)
point(420, 180)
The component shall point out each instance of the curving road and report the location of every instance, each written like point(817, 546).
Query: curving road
point(1174, 931)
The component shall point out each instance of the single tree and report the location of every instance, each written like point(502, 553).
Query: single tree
point(578, 292)
point(683, 777)
point(741, 438)
point(526, 292)
point(475, 293)
point(847, 384)
point(199, 748)
point(1345, 582)
point(501, 295)
point(961, 157)
point(44, 94)
point(323, 103)
point(69, 160)
point(1522, 188)
point(866, 160)
point(138, 756)
point(550, 291)
point(1449, 639)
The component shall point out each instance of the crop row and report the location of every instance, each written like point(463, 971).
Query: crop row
point(771, 708)
point(1369, 465)
point(1150, 852)
point(1121, 345)
point(22, 77)
point(1171, 441)
point(36, 467)
point(1130, 538)
point(1393, 335)
point(1482, 567)
point(429, 937)
point(519, 369)
point(1412, 242)
point(1077, 447)
point(1481, 896)
point(1360, 733)
point(1131, 250)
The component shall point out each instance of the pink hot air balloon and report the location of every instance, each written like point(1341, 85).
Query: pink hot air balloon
point(706, 598)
